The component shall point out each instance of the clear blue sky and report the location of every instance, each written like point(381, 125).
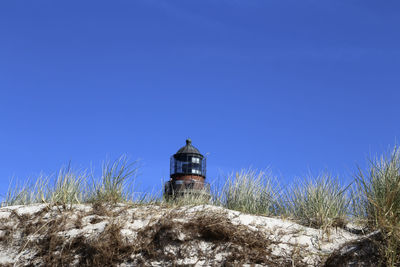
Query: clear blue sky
point(295, 85)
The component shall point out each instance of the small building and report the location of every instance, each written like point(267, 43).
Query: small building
point(187, 172)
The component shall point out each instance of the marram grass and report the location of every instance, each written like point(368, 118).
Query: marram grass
point(251, 191)
point(71, 186)
point(378, 195)
point(116, 183)
point(317, 201)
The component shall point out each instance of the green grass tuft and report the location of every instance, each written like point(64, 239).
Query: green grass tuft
point(116, 183)
point(317, 201)
point(27, 192)
point(251, 191)
point(67, 189)
point(379, 201)
point(70, 186)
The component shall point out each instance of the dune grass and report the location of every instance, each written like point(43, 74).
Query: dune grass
point(116, 183)
point(27, 192)
point(67, 188)
point(317, 201)
point(250, 191)
point(70, 186)
point(314, 202)
point(379, 201)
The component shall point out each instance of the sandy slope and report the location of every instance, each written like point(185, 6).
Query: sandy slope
point(123, 235)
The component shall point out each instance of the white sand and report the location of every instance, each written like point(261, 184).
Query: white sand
point(313, 243)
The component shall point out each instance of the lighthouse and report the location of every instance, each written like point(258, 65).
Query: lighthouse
point(187, 172)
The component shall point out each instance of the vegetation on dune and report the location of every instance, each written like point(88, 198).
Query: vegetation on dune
point(378, 195)
point(251, 191)
point(116, 183)
point(69, 186)
point(317, 201)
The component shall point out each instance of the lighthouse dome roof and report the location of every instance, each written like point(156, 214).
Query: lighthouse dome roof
point(189, 149)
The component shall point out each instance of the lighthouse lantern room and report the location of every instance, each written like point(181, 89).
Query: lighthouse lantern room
point(187, 171)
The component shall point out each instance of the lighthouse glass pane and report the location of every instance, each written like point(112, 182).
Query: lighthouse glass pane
point(188, 164)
